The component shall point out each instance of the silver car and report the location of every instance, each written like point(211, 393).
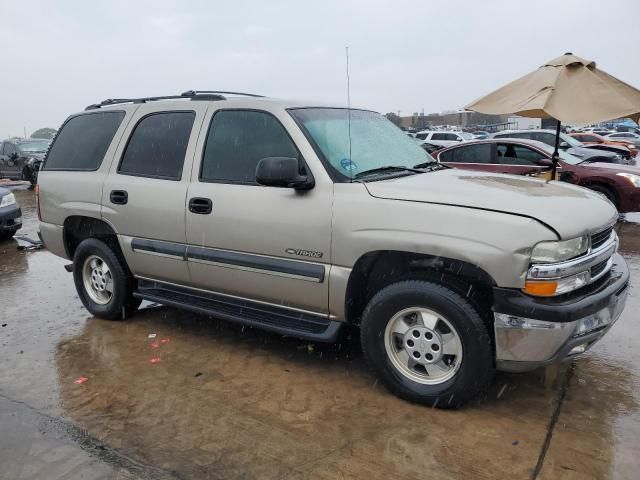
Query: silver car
point(302, 218)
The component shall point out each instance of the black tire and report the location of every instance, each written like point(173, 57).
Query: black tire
point(122, 303)
point(607, 192)
point(477, 367)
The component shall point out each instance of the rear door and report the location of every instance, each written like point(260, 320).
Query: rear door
point(145, 193)
point(477, 156)
point(259, 243)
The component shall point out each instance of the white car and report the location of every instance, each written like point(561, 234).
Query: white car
point(629, 136)
point(444, 139)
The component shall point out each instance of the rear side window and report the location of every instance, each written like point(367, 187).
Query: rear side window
point(83, 141)
point(480, 153)
point(439, 136)
point(238, 140)
point(158, 145)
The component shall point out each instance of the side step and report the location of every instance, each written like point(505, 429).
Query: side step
point(267, 317)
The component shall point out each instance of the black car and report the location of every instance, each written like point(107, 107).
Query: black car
point(10, 214)
point(21, 160)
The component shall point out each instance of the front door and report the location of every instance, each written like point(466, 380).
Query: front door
point(246, 240)
point(144, 196)
point(521, 160)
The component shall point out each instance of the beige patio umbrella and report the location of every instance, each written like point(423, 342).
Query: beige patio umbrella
point(569, 89)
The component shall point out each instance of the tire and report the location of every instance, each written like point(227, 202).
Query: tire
point(607, 192)
point(462, 372)
point(93, 281)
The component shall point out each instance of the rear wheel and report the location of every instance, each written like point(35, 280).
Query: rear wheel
point(427, 344)
point(103, 281)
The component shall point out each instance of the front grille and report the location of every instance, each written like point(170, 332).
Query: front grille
point(598, 268)
point(597, 239)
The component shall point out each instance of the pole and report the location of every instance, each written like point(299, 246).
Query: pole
point(556, 155)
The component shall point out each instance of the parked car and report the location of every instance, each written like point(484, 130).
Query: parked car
point(595, 139)
point(567, 143)
point(629, 136)
point(443, 139)
point(259, 211)
point(619, 183)
point(10, 214)
point(21, 160)
point(480, 135)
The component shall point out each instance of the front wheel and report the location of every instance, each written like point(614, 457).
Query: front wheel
point(427, 344)
point(103, 281)
point(606, 192)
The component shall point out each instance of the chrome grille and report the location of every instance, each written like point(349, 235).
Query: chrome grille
point(600, 237)
point(599, 268)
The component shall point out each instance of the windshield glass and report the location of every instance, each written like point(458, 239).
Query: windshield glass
point(33, 146)
point(564, 156)
point(573, 142)
point(466, 135)
point(375, 141)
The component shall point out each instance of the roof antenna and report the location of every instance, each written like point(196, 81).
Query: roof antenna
point(346, 52)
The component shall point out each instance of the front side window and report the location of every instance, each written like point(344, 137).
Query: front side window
point(83, 140)
point(238, 140)
point(9, 149)
point(359, 141)
point(510, 154)
point(158, 145)
point(440, 136)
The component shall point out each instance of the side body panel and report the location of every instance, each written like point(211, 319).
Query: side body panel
point(155, 209)
point(263, 243)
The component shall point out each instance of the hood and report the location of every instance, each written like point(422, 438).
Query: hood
point(558, 205)
point(586, 153)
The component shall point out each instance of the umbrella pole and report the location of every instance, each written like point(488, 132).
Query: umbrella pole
point(556, 155)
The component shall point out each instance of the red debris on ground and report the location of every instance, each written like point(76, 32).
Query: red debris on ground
point(164, 341)
point(80, 380)
point(155, 360)
point(154, 345)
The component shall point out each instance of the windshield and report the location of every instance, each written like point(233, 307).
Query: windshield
point(33, 146)
point(573, 142)
point(564, 156)
point(466, 135)
point(375, 141)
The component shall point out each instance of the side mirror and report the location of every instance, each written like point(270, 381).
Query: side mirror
point(283, 172)
point(563, 145)
point(545, 162)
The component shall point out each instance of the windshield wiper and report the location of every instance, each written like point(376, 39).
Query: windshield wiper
point(388, 168)
point(433, 165)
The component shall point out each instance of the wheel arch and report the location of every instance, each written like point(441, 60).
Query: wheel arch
point(77, 228)
point(376, 269)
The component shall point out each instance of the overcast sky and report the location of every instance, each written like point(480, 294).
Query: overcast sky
point(404, 55)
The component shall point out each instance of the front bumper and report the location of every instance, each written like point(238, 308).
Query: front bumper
point(10, 218)
point(532, 332)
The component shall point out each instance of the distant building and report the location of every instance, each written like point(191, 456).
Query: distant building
point(459, 119)
point(516, 122)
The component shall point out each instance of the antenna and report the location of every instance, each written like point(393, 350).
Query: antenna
point(346, 52)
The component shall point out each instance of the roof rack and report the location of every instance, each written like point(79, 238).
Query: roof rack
point(190, 94)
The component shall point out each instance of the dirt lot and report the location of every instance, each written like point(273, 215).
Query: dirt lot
point(230, 402)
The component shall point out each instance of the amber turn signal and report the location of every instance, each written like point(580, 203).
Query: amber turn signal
point(541, 288)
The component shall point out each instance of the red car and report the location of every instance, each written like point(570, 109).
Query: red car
point(619, 183)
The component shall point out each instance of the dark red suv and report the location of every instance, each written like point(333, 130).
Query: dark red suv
point(619, 183)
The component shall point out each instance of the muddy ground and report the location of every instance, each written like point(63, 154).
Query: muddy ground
point(230, 402)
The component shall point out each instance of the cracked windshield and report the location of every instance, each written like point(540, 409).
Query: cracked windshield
point(331, 240)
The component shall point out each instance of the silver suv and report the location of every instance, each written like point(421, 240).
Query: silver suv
point(300, 218)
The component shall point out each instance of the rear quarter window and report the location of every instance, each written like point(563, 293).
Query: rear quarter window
point(83, 141)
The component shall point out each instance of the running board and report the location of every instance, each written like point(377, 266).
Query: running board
point(267, 317)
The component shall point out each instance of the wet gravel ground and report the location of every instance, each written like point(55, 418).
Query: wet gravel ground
point(224, 401)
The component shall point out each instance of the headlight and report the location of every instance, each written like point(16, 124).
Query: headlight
point(7, 200)
point(634, 179)
point(554, 252)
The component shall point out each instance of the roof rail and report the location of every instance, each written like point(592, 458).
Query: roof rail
point(192, 93)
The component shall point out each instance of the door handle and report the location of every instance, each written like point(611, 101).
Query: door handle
point(119, 197)
point(201, 206)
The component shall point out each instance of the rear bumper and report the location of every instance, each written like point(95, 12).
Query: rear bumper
point(10, 218)
point(532, 332)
